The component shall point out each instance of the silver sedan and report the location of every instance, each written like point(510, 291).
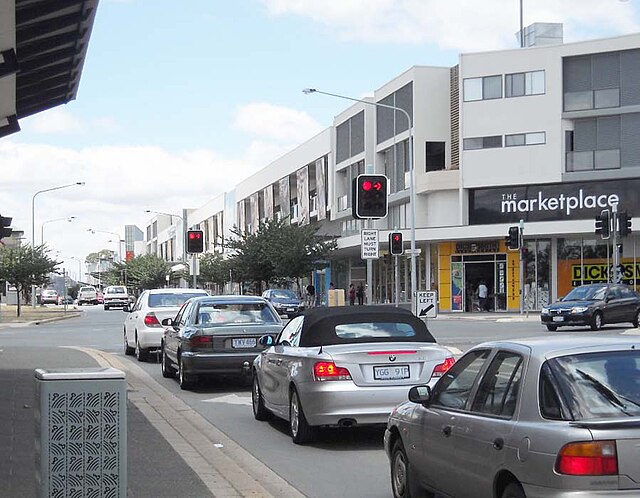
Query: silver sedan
point(539, 418)
point(343, 366)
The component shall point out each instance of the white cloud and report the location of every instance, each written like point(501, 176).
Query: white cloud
point(464, 25)
point(61, 121)
point(276, 122)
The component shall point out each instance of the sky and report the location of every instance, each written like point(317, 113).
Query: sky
point(180, 101)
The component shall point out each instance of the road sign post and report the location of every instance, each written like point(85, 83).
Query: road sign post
point(426, 304)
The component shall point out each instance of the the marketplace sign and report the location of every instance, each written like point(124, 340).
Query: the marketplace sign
point(552, 202)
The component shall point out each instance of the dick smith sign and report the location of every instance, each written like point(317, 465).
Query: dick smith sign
point(369, 244)
point(426, 304)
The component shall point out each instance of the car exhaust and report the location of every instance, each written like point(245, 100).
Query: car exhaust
point(347, 422)
point(246, 367)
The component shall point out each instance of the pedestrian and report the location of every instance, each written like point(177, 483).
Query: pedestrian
point(483, 292)
point(331, 286)
point(360, 294)
point(352, 294)
point(311, 296)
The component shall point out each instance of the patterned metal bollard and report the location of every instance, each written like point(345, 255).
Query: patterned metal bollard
point(81, 429)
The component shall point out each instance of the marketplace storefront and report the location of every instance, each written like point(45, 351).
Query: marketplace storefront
point(553, 263)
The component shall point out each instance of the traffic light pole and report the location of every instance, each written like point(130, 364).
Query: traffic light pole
point(397, 277)
point(521, 244)
point(614, 247)
point(193, 267)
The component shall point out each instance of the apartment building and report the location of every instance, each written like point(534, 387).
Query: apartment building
point(544, 135)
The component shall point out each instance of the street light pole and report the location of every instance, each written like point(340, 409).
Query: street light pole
point(93, 230)
point(79, 267)
point(33, 225)
point(412, 189)
point(68, 218)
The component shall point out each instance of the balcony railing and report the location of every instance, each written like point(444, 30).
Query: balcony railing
point(591, 160)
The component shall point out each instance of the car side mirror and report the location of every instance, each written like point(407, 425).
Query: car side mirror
point(167, 322)
point(420, 394)
point(266, 341)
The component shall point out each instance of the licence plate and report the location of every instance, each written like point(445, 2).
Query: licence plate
point(244, 342)
point(558, 319)
point(290, 309)
point(394, 372)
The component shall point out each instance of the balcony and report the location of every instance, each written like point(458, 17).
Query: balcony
point(592, 160)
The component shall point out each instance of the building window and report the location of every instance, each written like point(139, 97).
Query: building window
point(435, 156)
point(518, 139)
point(492, 142)
point(486, 88)
point(520, 84)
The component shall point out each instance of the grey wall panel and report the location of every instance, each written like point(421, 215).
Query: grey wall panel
point(630, 154)
point(342, 142)
point(302, 180)
point(608, 133)
point(606, 70)
point(321, 190)
point(630, 77)
point(577, 74)
point(404, 100)
point(357, 133)
point(584, 135)
point(384, 120)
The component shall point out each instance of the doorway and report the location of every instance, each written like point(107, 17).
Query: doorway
point(475, 273)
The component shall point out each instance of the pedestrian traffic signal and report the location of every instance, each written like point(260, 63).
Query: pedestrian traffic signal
point(624, 222)
point(603, 224)
point(195, 241)
point(513, 239)
point(5, 223)
point(369, 197)
point(396, 247)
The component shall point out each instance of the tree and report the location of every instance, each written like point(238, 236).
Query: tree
point(214, 269)
point(94, 257)
point(24, 266)
point(142, 272)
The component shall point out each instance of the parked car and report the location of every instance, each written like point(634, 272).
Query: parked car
point(115, 296)
point(343, 366)
point(593, 305)
point(216, 335)
point(285, 302)
point(142, 325)
point(87, 295)
point(545, 417)
point(49, 296)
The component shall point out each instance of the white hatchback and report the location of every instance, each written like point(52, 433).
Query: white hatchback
point(142, 326)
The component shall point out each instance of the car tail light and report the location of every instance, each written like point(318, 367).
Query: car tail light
point(442, 368)
point(151, 320)
point(201, 340)
point(592, 458)
point(327, 370)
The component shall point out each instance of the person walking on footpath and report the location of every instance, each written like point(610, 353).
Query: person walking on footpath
point(311, 296)
point(352, 294)
point(483, 291)
point(360, 294)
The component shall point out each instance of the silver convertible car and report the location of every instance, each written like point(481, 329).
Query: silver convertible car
point(343, 366)
point(552, 417)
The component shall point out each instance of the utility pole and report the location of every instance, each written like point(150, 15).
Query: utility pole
point(521, 244)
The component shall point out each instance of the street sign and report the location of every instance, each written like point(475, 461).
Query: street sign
point(426, 304)
point(369, 244)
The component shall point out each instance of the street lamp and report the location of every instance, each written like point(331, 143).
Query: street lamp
point(68, 218)
point(79, 267)
point(93, 230)
point(412, 189)
point(184, 230)
point(33, 224)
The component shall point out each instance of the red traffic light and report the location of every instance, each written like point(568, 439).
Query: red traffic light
point(397, 237)
point(377, 186)
point(367, 185)
point(195, 235)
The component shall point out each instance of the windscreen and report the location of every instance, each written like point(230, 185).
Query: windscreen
point(283, 294)
point(214, 315)
point(166, 300)
point(115, 290)
point(599, 385)
point(87, 289)
point(586, 294)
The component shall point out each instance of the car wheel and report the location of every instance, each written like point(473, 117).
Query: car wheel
point(185, 380)
point(596, 321)
point(636, 319)
point(128, 350)
point(142, 354)
point(403, 482)
point(260, 412)
point(301, 431)
point(168, 372)
point(79, 303)
point(513, 490)
point(552, 328)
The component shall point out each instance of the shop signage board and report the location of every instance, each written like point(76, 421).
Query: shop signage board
point(551, 202)
point(426, 304)
point(370, 248)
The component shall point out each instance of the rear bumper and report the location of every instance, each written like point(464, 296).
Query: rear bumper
point(116, 302)
point(532, 491)
point(217, 363)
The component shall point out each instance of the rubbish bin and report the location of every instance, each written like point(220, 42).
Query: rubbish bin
point(81, 432)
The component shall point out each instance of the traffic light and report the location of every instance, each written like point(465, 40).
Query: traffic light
point(195, 241)
point(5, 223)
point(603, 224)
point(624, 222)
point(369, 197)
point(513, 239)
point(396, 247)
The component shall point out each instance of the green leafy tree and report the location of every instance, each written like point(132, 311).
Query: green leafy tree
point(142, 272)
point(214, 269)
point(94, 257)
point(24, 266)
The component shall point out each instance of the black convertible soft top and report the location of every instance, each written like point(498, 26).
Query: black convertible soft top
point(319, 324)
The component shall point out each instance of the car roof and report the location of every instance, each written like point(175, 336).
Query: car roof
point(564, 343)
point(173, 290)
point(235, 298)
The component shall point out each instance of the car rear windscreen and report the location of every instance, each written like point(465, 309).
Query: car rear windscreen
point(373, 330)
point(213, 315)
point(166, 300)
point(605, 384)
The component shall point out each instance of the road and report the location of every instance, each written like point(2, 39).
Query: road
point(344, 462)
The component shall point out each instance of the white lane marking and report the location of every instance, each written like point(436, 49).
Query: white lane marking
point(232, 399)
point(631, 332)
